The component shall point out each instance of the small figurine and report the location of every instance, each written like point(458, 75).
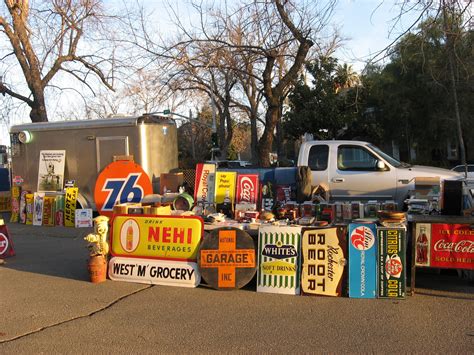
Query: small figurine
point(98, 241)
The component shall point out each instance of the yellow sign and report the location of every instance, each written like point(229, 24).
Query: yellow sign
point(160, 237)
point(323, 262)
point(70, 206)
point(281, 268)
point(225, 187)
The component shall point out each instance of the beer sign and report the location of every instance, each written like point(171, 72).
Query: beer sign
point(323, 261)
point(391, 262)
point(156, 237)
point(156, 272)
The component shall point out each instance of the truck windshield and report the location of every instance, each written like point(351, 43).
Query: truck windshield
point(392, 161)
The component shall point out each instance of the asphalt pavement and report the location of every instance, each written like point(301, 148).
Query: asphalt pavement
point(48, 305)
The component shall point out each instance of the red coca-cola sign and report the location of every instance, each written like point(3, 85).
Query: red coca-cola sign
point(247, 188)
point(452, 246)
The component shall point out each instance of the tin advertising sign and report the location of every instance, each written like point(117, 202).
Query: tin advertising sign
point(225, 187)
point(391, 262)
point(323, 261)
point(156, 272)
point(38, 208)
point(279, 260)
point(15, 203)
point(120, 182)
point(362, 260)
point(51, 170)
point(48, 211)
point(156, 237)
point(70, 206)
point(227, 258)
point(204, 183)
point(6, 244)
point(452, 246)
point(247, 188)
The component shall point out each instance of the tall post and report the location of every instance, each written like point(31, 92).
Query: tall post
point(193, 148)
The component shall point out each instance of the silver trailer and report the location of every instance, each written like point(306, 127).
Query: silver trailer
point(91, 145)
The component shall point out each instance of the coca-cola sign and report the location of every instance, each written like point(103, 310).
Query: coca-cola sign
point(247, 188)
point(452, 246)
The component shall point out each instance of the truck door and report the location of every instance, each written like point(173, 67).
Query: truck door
point(318, 157)
point(357, 177)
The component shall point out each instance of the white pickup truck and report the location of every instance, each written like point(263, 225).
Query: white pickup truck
point(354, 170)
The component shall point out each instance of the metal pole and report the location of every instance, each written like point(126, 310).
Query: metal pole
point(193, 149)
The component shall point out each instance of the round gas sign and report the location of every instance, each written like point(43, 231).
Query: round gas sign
point(120, 182)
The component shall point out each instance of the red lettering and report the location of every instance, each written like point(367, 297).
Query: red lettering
point(154, 233)
point(190, 235)
point(166, 235)
point(178, 233)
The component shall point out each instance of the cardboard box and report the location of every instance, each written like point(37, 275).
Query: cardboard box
point(170, 182)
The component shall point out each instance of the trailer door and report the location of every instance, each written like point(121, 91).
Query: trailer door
point(107, 147)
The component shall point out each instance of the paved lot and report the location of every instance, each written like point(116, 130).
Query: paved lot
point(48, 306)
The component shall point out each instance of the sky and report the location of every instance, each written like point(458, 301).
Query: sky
point(365, 25)
point(369, 26)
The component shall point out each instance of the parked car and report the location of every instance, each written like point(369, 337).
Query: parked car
point(230, 163)
point(470, 175)
point(470, 170)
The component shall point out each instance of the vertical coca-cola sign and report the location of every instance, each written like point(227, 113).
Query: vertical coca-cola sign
point(247, 188)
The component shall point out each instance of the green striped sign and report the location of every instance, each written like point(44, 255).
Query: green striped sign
point(279, 264)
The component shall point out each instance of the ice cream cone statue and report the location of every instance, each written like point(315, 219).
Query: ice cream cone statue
point(98, 244)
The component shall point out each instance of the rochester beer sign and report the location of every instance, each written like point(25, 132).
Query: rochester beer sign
point(323, 261)
point(160, 237)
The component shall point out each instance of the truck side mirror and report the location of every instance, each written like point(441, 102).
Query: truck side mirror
point(380, 165)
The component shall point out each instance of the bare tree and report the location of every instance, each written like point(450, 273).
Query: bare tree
point(267, 44)
point(46, 40)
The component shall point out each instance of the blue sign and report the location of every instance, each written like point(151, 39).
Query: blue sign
point(362, 260)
